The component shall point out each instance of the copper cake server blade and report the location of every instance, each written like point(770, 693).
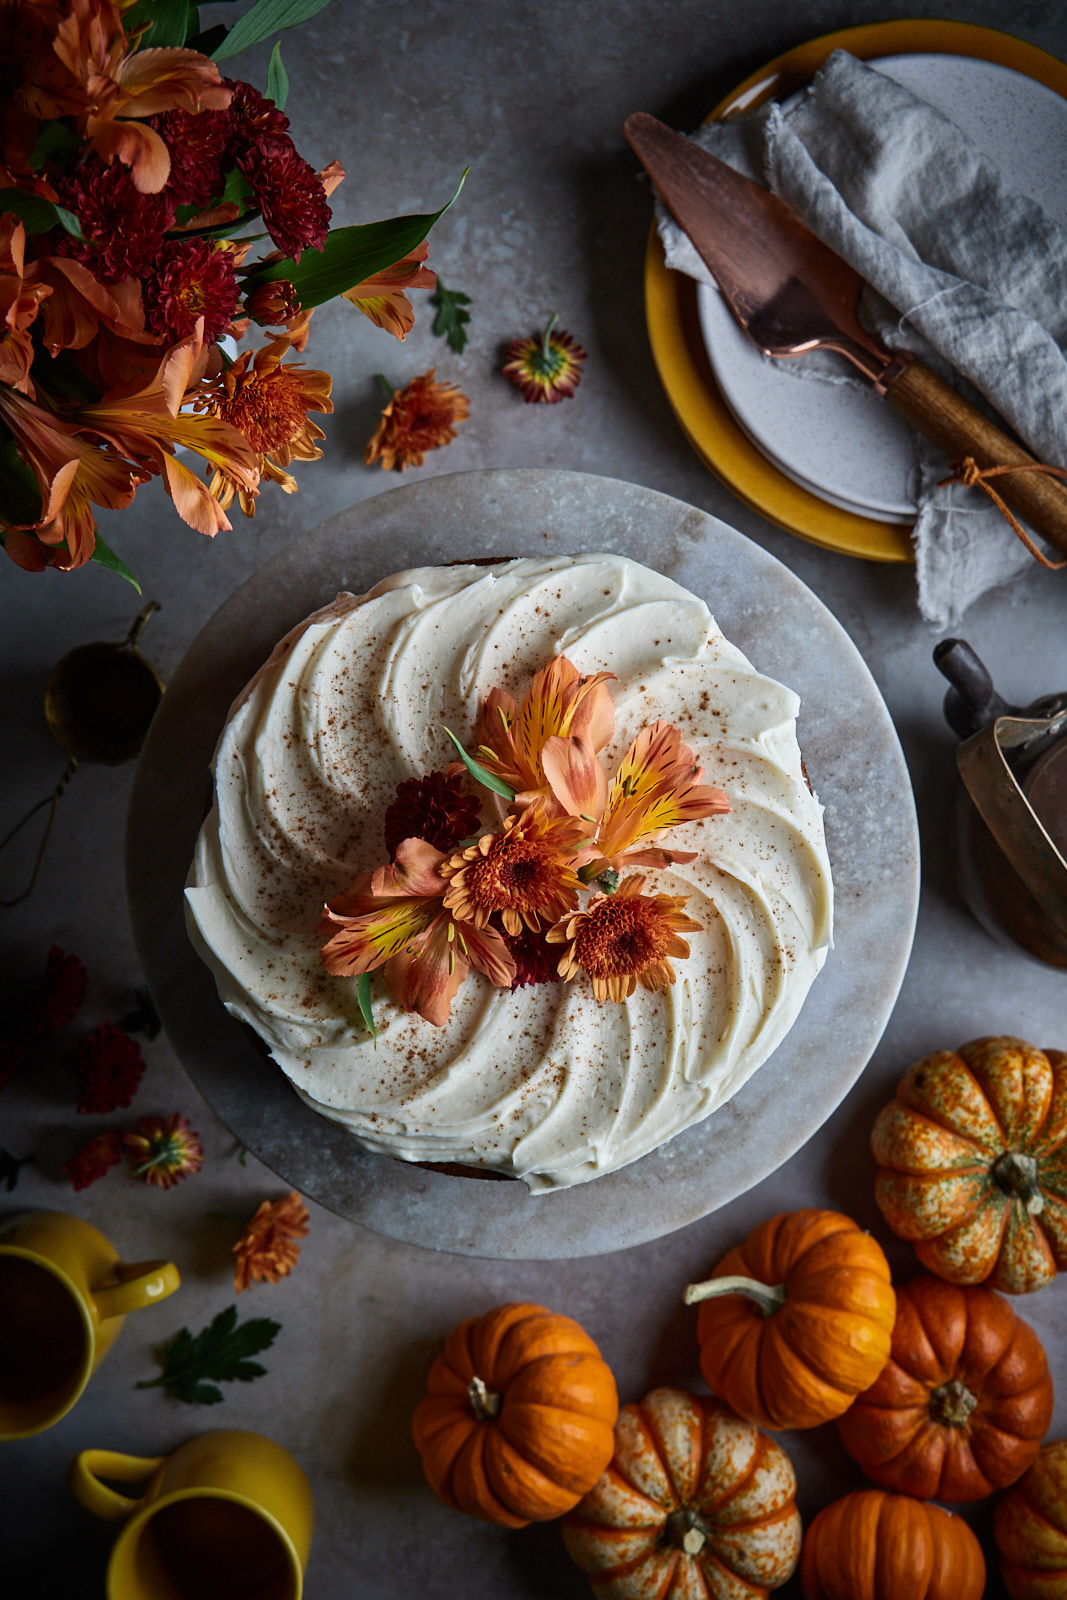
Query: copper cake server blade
point(792, 294)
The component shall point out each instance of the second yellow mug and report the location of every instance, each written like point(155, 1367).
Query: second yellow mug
point(226, 1515)
point(65, 1295)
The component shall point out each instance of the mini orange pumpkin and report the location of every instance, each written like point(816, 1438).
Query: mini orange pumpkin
point(963, 1402)
point(1030, 1527)
point(796, 1322)
point(875, 1546)
point(972, 1160)
point(518, 1419)
point(696, 1502)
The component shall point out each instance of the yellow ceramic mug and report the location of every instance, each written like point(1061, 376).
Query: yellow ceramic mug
point(65, 1295)
point(227, 1515)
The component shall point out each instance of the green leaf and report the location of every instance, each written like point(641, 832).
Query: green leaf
point(20, 497)
point(363, 1000)
point(220, 1351)
point(38, 213)
point(451, 318)
point(481, 774)
point(166, 22)
point(350, 255)
point(277, 79)
point(53, 139)
point(265, 18)
point(104, 556)
point(207, 41)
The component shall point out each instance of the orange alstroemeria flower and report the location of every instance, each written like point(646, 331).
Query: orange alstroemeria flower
point(71, 472)
point(560, 705)
point(656, 787)
point(382, 297)
point(148, 422)
point(119, 83)
point(267, 402)
point(395, 918)
point(20, 300)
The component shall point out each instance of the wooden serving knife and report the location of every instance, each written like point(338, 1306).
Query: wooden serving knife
point(791, 293)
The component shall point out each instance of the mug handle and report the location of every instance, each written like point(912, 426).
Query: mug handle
point(140, 1283)
point(83, 1481)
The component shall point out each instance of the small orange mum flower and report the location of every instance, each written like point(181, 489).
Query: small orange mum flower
point(267, 1249)
point(268, 402)
point(419, 418)
point(163, 1149)
point(523, 873)
point(624, 939)
point(548, 367)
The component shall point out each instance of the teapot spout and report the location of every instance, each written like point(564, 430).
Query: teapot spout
point(972, 702)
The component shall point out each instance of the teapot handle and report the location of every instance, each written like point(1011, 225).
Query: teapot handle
point(1008, 814)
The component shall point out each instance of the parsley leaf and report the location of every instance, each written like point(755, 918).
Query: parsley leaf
point(221, 1352)
point(451, 317)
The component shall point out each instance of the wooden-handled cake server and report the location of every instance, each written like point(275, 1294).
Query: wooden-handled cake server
point(791, 293)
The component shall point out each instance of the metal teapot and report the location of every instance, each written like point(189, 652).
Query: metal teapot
point(1012, 811)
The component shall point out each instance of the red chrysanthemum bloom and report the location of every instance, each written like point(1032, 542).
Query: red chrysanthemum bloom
point(251, 115)
point(624, 939)
point(64, 991)
point(536, 961)
point(108, 1066)
point(191, 278)
point(123, 228)
point(431, 808)
point(522, 874)
point(198, 143)
point(418, 418)
point(289, 193)
point(547, 368)
point(94, 1158)
point(163, 1149)
point(273, 304)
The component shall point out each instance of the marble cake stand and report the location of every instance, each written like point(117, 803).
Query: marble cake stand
point(852, 755)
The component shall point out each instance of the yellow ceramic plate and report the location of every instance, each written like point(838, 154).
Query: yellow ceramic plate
point(670, 297)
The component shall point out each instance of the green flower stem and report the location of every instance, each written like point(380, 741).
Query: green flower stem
point(386, 385)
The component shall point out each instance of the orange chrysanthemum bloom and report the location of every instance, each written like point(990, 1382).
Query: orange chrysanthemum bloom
point(523, 873)
point(267, 1249)
point(268, 403)
point(624, 939)
point(419, 418)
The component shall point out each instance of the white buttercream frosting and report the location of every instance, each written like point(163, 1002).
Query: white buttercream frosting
point(543, 1083)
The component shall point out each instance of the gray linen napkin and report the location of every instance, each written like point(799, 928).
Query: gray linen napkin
point(966, 271)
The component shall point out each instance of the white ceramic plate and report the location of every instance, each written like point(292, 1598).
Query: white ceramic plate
point(837, 439)
point(853, 758)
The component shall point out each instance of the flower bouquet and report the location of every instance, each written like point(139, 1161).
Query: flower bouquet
point(130, 172)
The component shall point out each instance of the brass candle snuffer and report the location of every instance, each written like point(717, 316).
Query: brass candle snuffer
point(1011, 835)
point(99, 703)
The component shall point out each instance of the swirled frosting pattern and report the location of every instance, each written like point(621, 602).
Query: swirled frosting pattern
point(544, 1084)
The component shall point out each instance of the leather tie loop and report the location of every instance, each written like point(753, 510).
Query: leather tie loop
point(972, 476)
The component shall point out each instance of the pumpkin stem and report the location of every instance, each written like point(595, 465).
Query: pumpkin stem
point(1016, 1173)
point(484, 1402)
point(952, 1404)
point(687, 1531)
point(769, 1297)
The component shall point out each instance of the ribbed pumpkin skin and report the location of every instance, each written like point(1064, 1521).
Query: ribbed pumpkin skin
point(553, 1435)
point(826, 1344)
point(685, 1463)
point(1030, 1527)
point(946, 1334)
point(875, 1546)
point(957, 1114)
